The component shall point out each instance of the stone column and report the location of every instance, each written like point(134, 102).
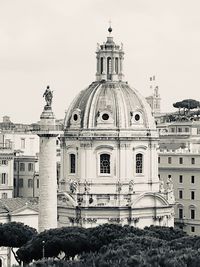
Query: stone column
point(47, 171)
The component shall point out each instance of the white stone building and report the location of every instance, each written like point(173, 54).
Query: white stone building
point(109, 167)
point(6, 170)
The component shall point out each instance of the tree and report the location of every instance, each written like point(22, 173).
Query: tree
point(69, 240)
point(14, 235)
point(187, 104)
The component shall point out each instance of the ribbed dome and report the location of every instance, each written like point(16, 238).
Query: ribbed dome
point(109, 105)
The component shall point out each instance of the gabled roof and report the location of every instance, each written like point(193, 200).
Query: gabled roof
point(10, 205)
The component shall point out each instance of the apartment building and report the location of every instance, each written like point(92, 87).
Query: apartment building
point(183, 167)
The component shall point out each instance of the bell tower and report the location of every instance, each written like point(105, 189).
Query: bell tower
point(109, 60)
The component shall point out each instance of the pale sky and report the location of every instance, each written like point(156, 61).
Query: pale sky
point(53, 42)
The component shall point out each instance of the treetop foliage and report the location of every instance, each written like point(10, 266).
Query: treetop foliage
point(114, 245)
point(187, 104)
point(15, 234)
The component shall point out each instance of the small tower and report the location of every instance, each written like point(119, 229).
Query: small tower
point(47, 166)
point(109, 60)
point(154, 99)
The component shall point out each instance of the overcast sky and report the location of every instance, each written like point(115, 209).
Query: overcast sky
point(53, 42)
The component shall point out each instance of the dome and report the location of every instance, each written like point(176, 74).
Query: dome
point(109, 102)
point(109, 105)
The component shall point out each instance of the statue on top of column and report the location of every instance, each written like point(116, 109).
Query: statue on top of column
point(48, 94)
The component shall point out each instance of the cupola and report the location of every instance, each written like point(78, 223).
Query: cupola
point(109, 60)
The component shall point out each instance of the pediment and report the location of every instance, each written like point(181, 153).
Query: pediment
point(25, 211)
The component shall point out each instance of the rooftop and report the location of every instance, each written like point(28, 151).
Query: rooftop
point(13, 204)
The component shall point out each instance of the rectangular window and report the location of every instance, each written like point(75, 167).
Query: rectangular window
point(15, 166)
point(30, 183)
point(180, 213)
point(4, 162)
point(192, 195)
point(14, 182)
point(30, 167)
point(179, 130)
point(139, 163)
point(180, 194)
point(21, 182)
point(38, 183)
point(192, 229)
point(72, 163)
point(116, 65)
point(3, 178)
point(186, 130)
point(22, 143)
point(192, 214)
point(192, 179)
point(4, 195)
point(22, 167)
point(158, 159)
point(104, 163)
point(180, 160)
point(192, 160)
point(173, 130)
point(169, 160)
point(180, 179)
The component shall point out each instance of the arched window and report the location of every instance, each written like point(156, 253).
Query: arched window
point(139, 163)
point(109, 68)
point(72, 159)
point(116, 65)
point(104, 163)
point(101, 65)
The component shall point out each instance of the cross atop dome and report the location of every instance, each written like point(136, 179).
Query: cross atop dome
point(109, 60)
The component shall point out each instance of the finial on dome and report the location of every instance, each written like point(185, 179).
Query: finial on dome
point(110, 28)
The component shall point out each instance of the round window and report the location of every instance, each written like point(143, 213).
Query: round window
point(75, 117)
point(105, 116)
point(137, 117)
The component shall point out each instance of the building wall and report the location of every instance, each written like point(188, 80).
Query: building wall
point(27, 143)
point(123, 164)
point(6, 171)
point(26, 178)
point(186, 179)
point(120, 196)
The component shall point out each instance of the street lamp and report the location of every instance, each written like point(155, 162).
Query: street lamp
point(43, 251)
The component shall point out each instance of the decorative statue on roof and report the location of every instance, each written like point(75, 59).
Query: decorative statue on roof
point(48, 94)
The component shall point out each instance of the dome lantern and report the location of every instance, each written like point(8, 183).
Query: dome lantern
point(109, 60)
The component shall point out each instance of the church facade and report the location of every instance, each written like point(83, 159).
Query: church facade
point(109, 160)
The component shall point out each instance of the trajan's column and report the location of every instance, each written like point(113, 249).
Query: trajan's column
point(47, 166)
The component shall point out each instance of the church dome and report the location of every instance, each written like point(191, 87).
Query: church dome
point(108, 104)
